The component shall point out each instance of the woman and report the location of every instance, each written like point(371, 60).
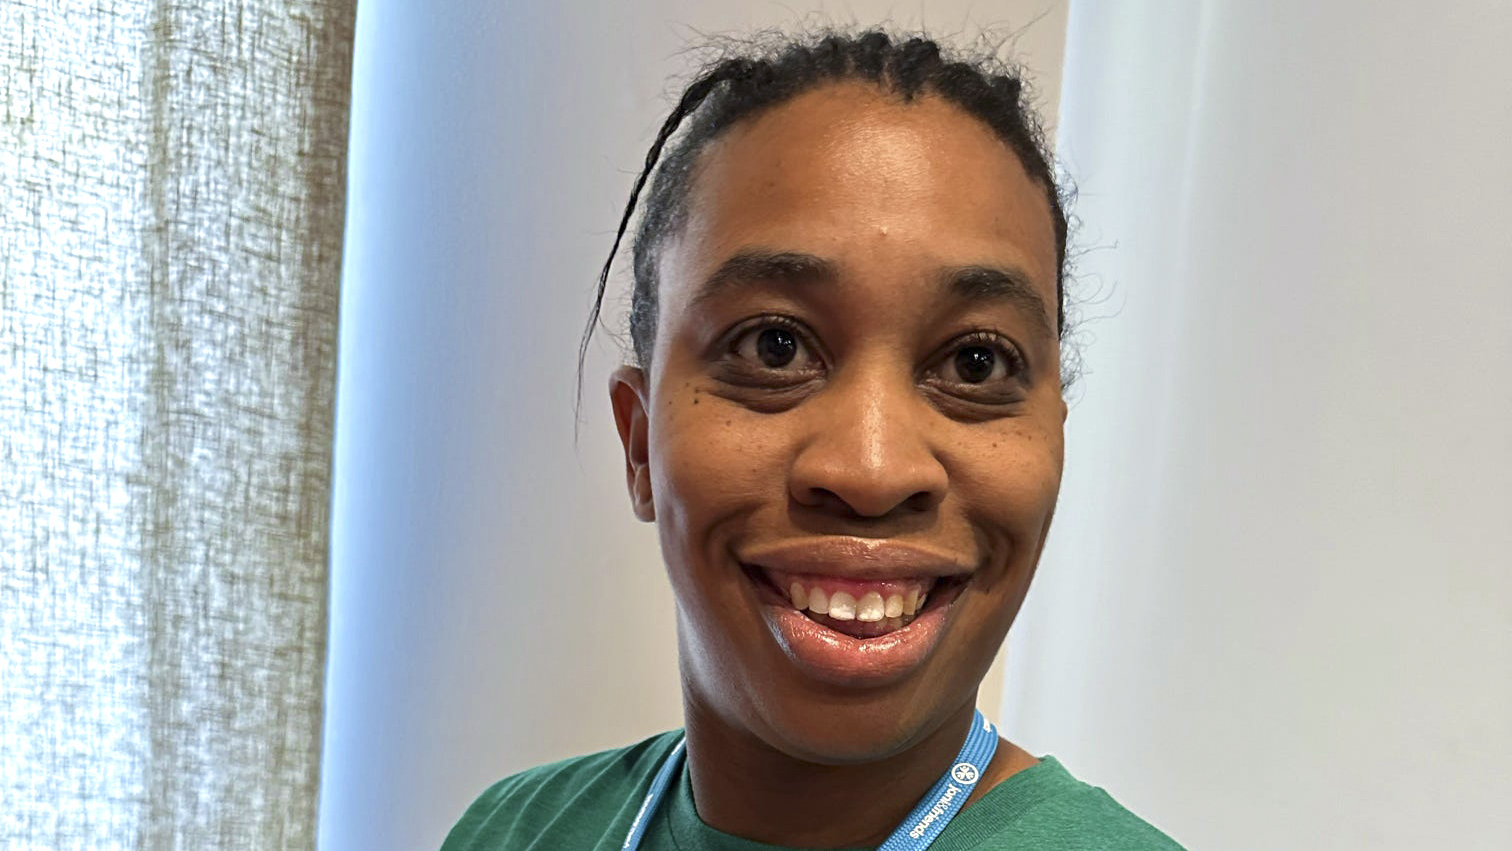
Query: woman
point(845, 417)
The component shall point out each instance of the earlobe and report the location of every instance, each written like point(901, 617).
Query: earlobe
point(628, 398)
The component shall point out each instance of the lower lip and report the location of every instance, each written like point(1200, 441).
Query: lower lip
point(838, 659)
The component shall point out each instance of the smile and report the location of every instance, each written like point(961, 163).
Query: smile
point(856, 613)
point(857, 607)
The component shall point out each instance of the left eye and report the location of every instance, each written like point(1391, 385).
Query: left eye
point(976, 364)
point(979, 363)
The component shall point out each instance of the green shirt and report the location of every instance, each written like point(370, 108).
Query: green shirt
point(588, 803)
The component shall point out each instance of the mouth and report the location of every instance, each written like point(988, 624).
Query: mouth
point(856, 615)
point(860, 609)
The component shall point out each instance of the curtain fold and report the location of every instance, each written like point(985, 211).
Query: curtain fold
point(173, 181)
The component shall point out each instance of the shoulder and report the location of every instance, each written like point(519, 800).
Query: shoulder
point(597, 789)
point(1087, 817)
point(571, 777)
point(1090, 819)
point(1046, 808)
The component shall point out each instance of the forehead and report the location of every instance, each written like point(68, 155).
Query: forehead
point(850, 172)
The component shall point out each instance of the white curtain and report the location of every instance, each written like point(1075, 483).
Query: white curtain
point(172, 179)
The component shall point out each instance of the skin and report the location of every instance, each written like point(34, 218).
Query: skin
point(869, 433)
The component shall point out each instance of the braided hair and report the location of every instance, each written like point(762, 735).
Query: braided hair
point(741, 86)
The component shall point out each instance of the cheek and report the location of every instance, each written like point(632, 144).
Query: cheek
point(710, 464)
point(712, 470)
point(1009, 478)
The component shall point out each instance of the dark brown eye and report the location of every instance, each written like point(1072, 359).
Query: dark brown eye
point(776, 347)
point(983, 366)
point(772, 351)
point(975, 364)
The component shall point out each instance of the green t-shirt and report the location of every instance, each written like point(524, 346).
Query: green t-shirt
point(588, 803)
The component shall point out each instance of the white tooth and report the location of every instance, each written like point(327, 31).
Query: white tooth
point(870, 607)
point(911, 602)
point(894, 606)
point(842, 607)
point(818, 603)
point(800, 596)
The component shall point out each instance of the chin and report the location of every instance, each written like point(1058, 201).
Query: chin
point(849, 735)
point(770, 699)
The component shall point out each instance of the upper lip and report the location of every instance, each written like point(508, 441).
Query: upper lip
point(854, 558)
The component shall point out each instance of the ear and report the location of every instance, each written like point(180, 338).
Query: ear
point(628, 397)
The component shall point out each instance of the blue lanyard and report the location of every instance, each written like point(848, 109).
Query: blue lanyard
point(928, 818)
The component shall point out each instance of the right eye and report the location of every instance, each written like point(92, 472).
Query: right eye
point(775, 346)
point(772, 352)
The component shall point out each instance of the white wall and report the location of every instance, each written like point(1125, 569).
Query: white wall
point(493, 604)
point(1276, 611)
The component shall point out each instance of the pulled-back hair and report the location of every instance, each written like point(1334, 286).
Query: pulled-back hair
point(754, 76)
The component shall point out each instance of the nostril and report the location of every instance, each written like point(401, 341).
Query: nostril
point(921, 501)
point(831, 501)
point(891, 487)
point(827, 499)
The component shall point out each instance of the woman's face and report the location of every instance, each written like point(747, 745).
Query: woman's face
point(855, 391)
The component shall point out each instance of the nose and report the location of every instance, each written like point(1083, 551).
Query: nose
point(867, 453)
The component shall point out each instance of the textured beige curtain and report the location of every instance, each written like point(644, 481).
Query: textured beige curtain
point(172, 182)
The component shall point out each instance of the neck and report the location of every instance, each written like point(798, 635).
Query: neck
point(745, 787)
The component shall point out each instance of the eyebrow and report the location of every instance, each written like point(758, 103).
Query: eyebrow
point(973, 282)
point(992, 283)
point(758, 265)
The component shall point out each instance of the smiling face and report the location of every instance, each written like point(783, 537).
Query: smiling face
point(854, 397)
